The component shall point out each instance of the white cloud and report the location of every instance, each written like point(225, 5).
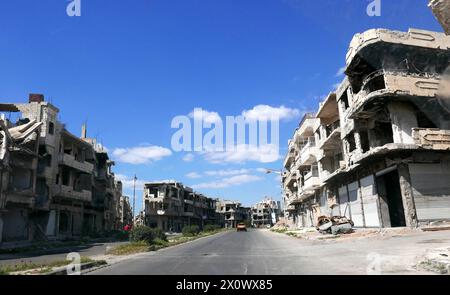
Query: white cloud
point(207, 116)
point(193, 175)
point(266, 112)
point(188, 157)
point(141, 154)
point(341, 72)
point(228, 172)
point(227, 182)
point(244, 153)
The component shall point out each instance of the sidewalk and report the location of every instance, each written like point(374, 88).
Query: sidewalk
point(57, 254)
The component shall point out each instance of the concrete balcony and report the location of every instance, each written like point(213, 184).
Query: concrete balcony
point(68, 192)
point(70, 161)
point(435, 139)
point(190, 202)
point(291, 178)
point(308, 154)
point(333, 139)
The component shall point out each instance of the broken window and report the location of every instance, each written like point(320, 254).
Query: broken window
point(375, 83)
point(51, 128)
point(364, 136)
point(344, 100)
point(423, 121)
point(64, 221)
point(21, 178)
point(351, 142)
point(65, 176)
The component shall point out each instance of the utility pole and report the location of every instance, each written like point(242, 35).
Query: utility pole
point(134, 198)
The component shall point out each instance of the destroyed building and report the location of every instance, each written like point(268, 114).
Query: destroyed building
point(265, 213)
point(125, 212)
point(441, 9)
point(233, 213)
point(53, 184)
point(170, 206)
point(378, 149)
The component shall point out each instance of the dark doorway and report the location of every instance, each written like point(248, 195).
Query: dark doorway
point(390, 194)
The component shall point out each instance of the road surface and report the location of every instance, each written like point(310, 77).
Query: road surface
point(261, 252)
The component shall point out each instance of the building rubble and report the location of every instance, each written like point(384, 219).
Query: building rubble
point(377, 151)
point(53, 184)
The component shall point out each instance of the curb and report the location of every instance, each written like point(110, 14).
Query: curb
point(85, 266)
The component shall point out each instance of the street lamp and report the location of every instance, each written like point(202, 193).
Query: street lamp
point(134, 198)
point(279, 172)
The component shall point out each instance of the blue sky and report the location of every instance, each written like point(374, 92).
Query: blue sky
point(129, 67)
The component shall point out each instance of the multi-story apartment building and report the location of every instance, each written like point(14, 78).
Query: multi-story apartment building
point(125, 212)
point(170, 206)
point(54, 185)
point(382, 139)
point(232, 212)
point(266, 212)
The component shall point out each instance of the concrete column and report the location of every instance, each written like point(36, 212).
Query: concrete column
point(407, 196)
point(1, 228)
point(403, 120)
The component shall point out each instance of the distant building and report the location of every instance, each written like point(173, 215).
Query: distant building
point(232, 212)
point(170, 206)
point(266, 212)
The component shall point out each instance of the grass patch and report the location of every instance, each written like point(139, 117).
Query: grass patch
point(131, 248)
point(279, 230)
point(41, 268)
point(157, 244)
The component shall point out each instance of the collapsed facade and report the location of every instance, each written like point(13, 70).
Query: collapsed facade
point(265, 213)
point(53, 184)
point(232, 212)
point(378, 149)
point(170, 206)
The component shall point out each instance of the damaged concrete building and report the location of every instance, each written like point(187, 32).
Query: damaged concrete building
point(441, 9)
point(233, 212)
point(170, 206)
point(265, 213)
point(53, 184)
point(381, 141)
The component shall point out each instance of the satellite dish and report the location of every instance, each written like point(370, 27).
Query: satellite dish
point(160, 212)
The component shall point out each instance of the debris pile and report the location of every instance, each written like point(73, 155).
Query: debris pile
point(334, 225)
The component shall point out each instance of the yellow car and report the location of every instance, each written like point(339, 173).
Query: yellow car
point(241, 227)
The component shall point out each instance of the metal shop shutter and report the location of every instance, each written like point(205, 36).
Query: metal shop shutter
point(355, 204)
point(370, 201)
point(343, 201)
point(431, 189)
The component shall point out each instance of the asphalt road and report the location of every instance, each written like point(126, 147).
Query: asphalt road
point(261, 252)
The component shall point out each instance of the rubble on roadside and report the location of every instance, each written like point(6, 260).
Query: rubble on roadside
point(334, 225)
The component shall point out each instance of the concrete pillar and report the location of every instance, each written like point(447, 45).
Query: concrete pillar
point(1, 228)
point(403, 120)
point(407, 196)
